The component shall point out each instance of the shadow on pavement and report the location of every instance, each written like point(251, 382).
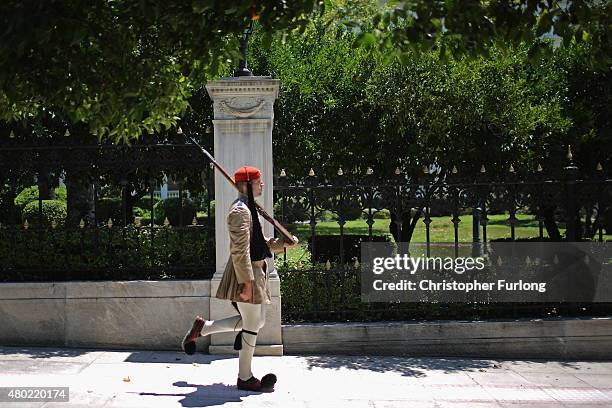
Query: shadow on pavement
point(45, 352)
point(205, 395)
point(167, 357)
point(170, 357)
point(409, 366)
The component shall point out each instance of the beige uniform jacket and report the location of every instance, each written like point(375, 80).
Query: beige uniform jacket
point(240, 268)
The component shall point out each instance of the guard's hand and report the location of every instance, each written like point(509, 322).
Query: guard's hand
point(246, 291)
point(291, 245)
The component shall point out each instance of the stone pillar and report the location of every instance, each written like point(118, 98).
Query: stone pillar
point(243, 121)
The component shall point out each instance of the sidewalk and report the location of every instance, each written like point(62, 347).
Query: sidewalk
point(172, 379)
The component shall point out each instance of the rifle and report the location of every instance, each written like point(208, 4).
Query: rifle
point(287, 236)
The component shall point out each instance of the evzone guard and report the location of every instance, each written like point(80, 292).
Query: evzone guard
point(245, 281)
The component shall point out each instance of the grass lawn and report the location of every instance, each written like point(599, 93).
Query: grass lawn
point(441, 230)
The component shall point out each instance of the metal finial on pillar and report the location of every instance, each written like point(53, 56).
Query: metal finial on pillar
point(243, 69)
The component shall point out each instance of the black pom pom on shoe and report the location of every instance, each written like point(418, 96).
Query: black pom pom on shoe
point(267, 382)
point(190, 347)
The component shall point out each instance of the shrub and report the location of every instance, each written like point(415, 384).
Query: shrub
point(328, 246)
point(170, 208)
point(52, 210)
point(26, 196)
point(383, 214)
point(109, 208)
point(352, 213)
point(128, 253)
point(142, 212)
point(146, 203)
point(327, 215)
point(29, 194)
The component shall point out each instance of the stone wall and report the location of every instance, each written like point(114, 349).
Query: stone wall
point(132, 314)
point(523, 339)
point(154, 315)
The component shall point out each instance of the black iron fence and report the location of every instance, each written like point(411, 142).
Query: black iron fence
point(108, 223)
point(321, 279)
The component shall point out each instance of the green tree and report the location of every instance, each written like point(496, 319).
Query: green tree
point(353, 108)
point(586, 98)
point(127, 67)
point(470, 27)
point(466, 112)
point(123, 67)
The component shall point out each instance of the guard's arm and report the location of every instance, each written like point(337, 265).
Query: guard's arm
point(239, 223)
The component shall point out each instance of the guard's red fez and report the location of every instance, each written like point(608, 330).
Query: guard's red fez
point(246, 173)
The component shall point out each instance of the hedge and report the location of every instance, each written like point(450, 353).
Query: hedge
point(52, 210)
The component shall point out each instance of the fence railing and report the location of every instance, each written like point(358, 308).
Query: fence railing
point(321, 280)
point(108, 224)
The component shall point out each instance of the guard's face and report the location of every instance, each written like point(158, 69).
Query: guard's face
point(258, 186)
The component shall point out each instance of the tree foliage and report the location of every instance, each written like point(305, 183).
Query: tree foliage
point(458, 28)
point(354, 108)
point(123, 68)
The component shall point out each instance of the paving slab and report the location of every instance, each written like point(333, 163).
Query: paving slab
point(146, 378)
